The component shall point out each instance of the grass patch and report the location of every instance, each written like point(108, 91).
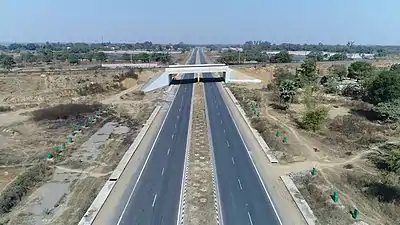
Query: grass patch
point(14, 193)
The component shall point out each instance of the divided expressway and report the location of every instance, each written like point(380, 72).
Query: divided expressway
point(154, 197)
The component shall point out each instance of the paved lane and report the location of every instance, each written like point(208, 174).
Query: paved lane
point(242, 195)
point(155, 197)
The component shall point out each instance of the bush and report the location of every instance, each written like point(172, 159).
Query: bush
point(13, 194)
point(5, 108)
point(313, 119)
point(388, 111)
point(63, 111)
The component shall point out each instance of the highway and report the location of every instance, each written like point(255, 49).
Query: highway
point(243, 198)
point(155, 197)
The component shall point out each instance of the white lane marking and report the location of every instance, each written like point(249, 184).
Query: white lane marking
point(147, 159)
point(240, 184)
point(180, 109)
point(221, 121)
point(168, 151)
point(154, 200)
point(177, 117)
point(224, 131)
point(175, 126)
point(248, 152)
point(162, 171)
point(218, 113)
point(172, 137)
point(251, 221)
point(227, 143)
point(233, 161)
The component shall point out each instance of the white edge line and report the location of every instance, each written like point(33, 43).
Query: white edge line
point(248, 153)
point(221, 220)
point(179, 216)
point(147, 159)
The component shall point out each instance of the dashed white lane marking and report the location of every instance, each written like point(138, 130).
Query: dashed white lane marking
point(233, 161)
point(162, 171)
point(172, 137)
point(168, 151)
point(175, 126)
point(218, 114)
point(221, 121)
point(240, 184)
point(177, 117)
point(224, 131)
point(154, 200)
point(251, 221)
point(227, 143)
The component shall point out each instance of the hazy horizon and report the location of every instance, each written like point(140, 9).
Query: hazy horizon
point(366, 22)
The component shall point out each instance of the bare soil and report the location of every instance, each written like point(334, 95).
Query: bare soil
point(42, 110)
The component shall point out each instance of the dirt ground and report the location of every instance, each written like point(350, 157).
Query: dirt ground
point(39, 111)
point(346, 152)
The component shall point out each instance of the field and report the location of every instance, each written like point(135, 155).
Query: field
point(349, 152)
point(43, 181)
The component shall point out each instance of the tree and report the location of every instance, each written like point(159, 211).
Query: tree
point(100, 56)
point(308, 71)
point(281, 57)
point(360, 70)
point(395, 67)
point(73, 58)
point(46, 56)
point(388, 111)
point(28, 57)
point(314, 119)
point(316, 55)
point(7, 61)
point(126, 57)
point(394, 161)
point(383, 88)
point(283, 74)
point(287, 91)
point(338, 70)
point(338, 57)
point(315, 115)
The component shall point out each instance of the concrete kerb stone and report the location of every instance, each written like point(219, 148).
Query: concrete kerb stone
point(101, 198)
point(256, 134)
point(301, 203)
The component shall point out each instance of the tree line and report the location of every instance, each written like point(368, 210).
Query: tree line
point(234, 57)
point(79, 48)
point(350, 47)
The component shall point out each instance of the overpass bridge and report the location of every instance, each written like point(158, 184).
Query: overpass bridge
point(170, 73)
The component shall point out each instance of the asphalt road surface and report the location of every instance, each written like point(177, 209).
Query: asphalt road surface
point(243, 199)
point(155, 197)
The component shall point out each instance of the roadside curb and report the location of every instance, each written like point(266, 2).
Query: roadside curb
point(256, 134)
point(101, 197)
point(301, 203)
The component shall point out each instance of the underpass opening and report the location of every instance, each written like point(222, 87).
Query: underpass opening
point(195, 80)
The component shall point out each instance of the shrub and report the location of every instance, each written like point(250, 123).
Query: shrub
point(63, 111)
point(13, 194)
point(313, 119)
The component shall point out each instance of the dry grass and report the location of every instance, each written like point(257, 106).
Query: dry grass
point(21, 186)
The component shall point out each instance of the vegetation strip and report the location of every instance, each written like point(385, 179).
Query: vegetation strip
point(200, 189)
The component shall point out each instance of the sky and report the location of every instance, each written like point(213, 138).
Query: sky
point(201, 21)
